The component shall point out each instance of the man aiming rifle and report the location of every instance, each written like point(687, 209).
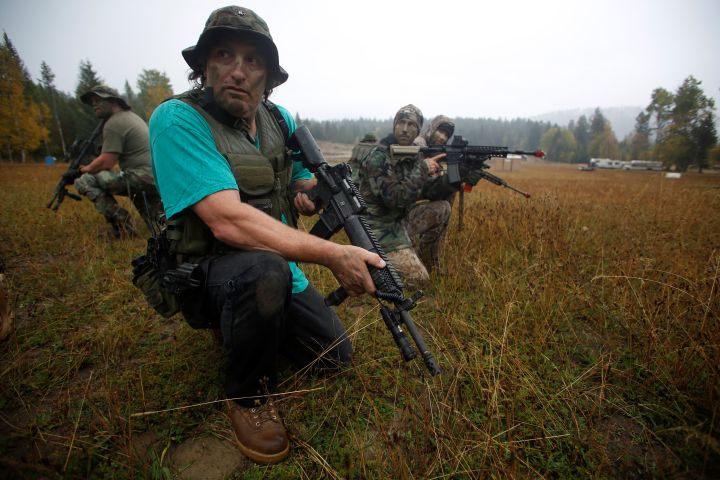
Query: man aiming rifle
point(461, 157)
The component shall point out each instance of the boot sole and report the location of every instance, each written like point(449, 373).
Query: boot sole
point(262, 457)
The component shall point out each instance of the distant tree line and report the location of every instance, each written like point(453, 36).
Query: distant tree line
point(36, 119)
point(518, 133)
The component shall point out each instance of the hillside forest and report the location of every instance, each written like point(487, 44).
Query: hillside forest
point(677, 127)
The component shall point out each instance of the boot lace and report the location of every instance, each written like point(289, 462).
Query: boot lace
point(264, 413)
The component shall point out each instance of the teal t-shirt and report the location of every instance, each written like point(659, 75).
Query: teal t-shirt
point(188, 167)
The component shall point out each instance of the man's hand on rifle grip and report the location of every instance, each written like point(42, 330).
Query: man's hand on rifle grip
point(350, 264)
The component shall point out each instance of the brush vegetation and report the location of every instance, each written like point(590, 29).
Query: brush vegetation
point(577, 332)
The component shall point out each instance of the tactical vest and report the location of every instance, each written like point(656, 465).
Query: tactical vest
point(262, 178)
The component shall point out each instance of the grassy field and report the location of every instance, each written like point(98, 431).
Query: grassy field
point(577, 332)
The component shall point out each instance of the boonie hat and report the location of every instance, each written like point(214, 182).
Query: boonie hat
point(104, 92)
point(239, 21)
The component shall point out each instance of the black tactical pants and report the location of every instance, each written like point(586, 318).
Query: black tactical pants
point(248, 296)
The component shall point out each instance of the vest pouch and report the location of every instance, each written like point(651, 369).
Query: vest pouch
point(189, 236)
point(254, 174)
point(147, 279)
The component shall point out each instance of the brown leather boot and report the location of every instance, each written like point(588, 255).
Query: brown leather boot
point(259, 432)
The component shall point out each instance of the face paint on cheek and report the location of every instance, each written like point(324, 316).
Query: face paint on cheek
point(413, 130)
point(212, 73)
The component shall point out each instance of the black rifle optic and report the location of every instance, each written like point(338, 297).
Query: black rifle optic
point(73, 172)
point(341, 206)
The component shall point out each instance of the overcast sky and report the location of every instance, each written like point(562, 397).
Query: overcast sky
point(349, 59)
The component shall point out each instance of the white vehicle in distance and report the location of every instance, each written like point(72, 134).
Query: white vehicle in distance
point(643, 165)
point(606, 163)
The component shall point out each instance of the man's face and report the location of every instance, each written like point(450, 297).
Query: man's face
point(439, 137)
point(405, 131)
point(238, 75)
point(102, 107)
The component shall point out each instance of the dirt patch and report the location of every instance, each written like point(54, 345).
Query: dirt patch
point(206, 458)
point(630, 453)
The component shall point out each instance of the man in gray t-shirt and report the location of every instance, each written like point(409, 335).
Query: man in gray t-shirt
point(125, 144)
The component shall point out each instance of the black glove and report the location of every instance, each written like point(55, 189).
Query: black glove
point(71, 175)
point(470, 175)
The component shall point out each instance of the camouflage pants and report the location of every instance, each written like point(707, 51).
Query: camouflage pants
point(100, 188)
point(408, 265)
point(426, 224)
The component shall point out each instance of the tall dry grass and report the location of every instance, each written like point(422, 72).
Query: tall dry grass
point(577, 332)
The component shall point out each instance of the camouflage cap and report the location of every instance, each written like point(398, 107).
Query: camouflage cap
point(409, 112)
point(369, 137)
point(104, 92)
point(238, 21)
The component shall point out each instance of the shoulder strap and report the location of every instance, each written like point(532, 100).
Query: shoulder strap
point(278, 118)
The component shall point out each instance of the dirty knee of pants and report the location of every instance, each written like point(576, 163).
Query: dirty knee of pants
point(408, 264)
point(271, 293)
point(86, 184)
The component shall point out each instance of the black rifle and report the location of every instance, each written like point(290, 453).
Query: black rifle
point(341, 207)
point(472, 157)
point(73, 171)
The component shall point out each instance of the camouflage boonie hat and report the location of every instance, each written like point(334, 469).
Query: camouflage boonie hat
point(104, 92)
point(410, 112)
point(242, 22)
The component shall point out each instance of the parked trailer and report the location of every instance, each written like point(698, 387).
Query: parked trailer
point(607, 163)
point(643, 165)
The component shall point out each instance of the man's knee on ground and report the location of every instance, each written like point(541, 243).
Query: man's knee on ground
point(408, 264)
point(272, 287)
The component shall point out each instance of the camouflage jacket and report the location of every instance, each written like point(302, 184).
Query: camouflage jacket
point(390, 186)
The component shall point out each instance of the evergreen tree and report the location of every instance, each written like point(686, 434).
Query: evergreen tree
point(690, 132)
point(47, 80)
point(28, 85)
point(597, 123)
point(640, 138)
point(603, 143)
point(87, 79)
point(581, 132)
point(131, 97)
